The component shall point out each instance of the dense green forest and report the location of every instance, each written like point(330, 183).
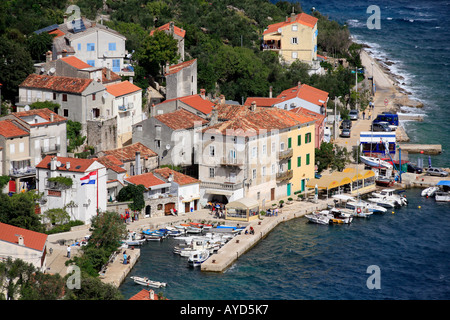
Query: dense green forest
point(223, 35)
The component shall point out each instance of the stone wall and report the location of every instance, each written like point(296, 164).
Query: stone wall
point(102, 134)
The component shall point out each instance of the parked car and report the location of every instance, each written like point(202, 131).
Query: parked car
point(353, 114)
point(346, 124)
point(393, 128)
point(380, 127)
point(414, 169)
point(345, 133)
point(437, 172)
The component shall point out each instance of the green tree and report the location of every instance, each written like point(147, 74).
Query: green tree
point(39, 44)
point(156, 51)
point(18, 210)
point(133, 193)
point(94, 289)
point(57, 216)
point(331, 156)
point(74, 135)
point(16, 66)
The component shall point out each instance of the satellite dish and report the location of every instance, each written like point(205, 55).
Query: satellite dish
point(58, 164)
point(27, 108)
point(167, 146)
point(104, 95)
point(52, 70)
point(42, 70)
point(105, 54)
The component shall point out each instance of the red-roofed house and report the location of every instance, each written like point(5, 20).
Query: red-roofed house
point(295, 38)
point(18, 243)
point(145, 295)
point(125, 103)
point(197, 104)
point(170, 135)
point(136, 158)
point(176, 32)
point(320, 123)
point(115, 175)
point(264, 154)
point(80, 99)
point(87, 193)
point(188, 188)
point(181, 79)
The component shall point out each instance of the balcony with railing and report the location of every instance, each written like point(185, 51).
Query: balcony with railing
point(51, 149)
point(285, 154)
point(22, 172)
point(286, 175)
point(126, 107)
point(231, 161)
point(229, 186)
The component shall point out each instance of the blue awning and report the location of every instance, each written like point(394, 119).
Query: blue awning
point(443, 183)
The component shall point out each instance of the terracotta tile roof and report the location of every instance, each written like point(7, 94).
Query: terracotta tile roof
point(178, 31)
point(9, 129)
point(178, 177)
point(76, 164)
point(319, 118)
point(302, 18)
point(144, 295)
point(75, 62)
point(146, 179)
point(57, 32)
point(113, 76)
point(305, 92)
point(195, 101)
point(122, 88)
point(111, 162)
point(180, 119)
point(56, 83)
point(261, 102)
point(232, 111)
point(177, 67)
point(128, 153)
point(43, 113)
point(258, 122)
point(31, 239)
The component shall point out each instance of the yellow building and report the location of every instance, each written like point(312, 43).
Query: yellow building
point(295, 38)
point(302, 141)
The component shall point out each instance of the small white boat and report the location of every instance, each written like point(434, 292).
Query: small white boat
point(372, 207)
point(147, 282)
point(429, 192)
point(196, 259)
point(390, 195)
point(133, 240)
point(383, 202)
point(317, 217)
point(375, 162)
point(442, 196)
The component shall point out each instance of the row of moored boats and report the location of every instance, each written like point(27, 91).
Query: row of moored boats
point(378, 202)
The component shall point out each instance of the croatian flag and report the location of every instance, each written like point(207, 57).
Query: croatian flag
point(89, 178)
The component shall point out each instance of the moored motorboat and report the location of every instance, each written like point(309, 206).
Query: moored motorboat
point(147, 282)
point(389, 194)
point(383, 202)
point(429, 192)
point(442, 196)
point(133, 240)
point(317, 217)
point(375, 162)
point(196, 259)
point(372, 207)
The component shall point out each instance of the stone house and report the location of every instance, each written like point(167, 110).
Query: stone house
point(170, 135)
point(115, 175)
point(197, 104)
point(181, 79)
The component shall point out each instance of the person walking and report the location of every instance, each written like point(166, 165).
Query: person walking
point(68, 251)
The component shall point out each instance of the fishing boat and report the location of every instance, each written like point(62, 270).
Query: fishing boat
point(147, 282)
point(429, 192)
point(192, 229)
point(196, 259)
point(375, 162)
point(384, 182)
point(204, 226)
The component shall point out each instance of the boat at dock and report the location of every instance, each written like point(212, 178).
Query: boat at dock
point(332, 216)
point(442, 196)
point(390, 194)
point(375, 162)
point(384, 182)
point(372, 207)
point(318, 217)
point(429, 192)
point(133, 240)
point(144, 281)
point(383, 202)
point(197, 258)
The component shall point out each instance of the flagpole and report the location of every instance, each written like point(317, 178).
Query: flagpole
point(97, 190)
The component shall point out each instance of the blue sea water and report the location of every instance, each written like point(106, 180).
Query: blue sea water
point(299, 260)
point(303, 261)
point(414, 35)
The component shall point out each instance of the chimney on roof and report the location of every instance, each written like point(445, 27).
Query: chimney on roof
point(130, 79)
point(253, 106)
point(52, 117)
point(48, 56)
point(171, 28)
point(203, 93)
point(108, 74)
point(53, 163)
point(222, 99)
point(214, 118)
point(68, 165)
point(20, 240)
point(65, 18)
point(292, 13)
point(138, 163)
point(64, 53)
point(270, 92)
point(151, 294)
point(167, 67)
